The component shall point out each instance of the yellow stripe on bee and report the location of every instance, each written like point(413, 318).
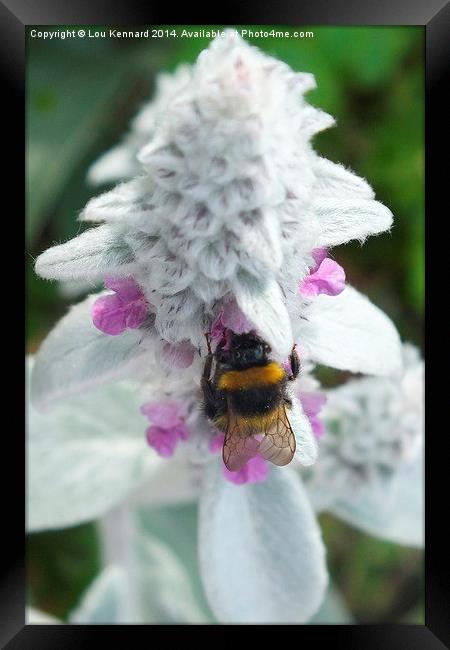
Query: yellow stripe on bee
point(251, 377)
point(246, 425)
point(257, 423)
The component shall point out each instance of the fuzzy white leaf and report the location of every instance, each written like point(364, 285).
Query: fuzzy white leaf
point(92, 255)
point(314, 120)
point(85, 456)
point(76, 356)
point(105, 601)
point(158, 586)
point(130, 200)
point(35, 616)
point(307, 449)
point(177, 528)
point(335, 181)
point(342, 220)
point(114, 165)
point(264, 307)
point(174, 482)
point(166, 595)
point(262, 559)
point(349, 333)
point(77, 289)
point(333, 610)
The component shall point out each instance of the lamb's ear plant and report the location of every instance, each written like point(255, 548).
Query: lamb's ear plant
point(227, 226)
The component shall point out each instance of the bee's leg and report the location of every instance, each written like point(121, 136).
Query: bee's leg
point(209, 392)
point(210, 402)
point(295, 364)
point(207, 367)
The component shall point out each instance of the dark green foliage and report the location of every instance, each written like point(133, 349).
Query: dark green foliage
point(60, 566)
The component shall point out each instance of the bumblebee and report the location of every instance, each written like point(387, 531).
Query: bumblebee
point(247, 398)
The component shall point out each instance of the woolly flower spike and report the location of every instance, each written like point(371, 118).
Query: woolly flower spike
point(374, 443)
point(230, 208)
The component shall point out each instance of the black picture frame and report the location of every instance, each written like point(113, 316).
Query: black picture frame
point(15, 17)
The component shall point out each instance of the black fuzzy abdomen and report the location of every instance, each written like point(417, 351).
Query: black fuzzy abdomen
point(256, 401)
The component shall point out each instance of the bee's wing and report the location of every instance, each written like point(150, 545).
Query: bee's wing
point(278, 444)
point(240, 444)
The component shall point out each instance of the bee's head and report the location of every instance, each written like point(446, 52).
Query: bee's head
point(245, 350)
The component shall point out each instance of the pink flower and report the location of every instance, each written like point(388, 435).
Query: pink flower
point(319, 254)
point(163, 441)
point(312, 404)
point(125, 309)
point(178, 355)
point(164, 414)
point(327, 276)
point(216, 443)
point(231, 318)
point(167, 428)
point(254, 471)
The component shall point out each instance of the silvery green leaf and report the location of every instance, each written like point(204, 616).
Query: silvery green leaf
point(262, 559)
point(106, 599)
point(177, 527)
point(131, 200)
point(76, 356)
point(77, 289)
point(314, 121)
point(35, 616)
point(95, 253)
point(114, 165)
point(395, 512)
point(333, 611)
point(85, 456)
point(165, 593)
point(262, 304)
point(349, 333)
point(344, 219)
point(158, 586)
point(177, 481)
point(307, 450)
point(334, 180)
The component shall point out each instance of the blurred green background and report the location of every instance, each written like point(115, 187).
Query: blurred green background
point(81, 94)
